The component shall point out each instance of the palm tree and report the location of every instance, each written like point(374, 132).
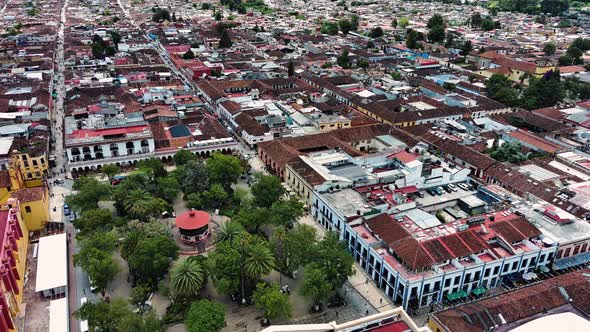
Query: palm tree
point(187, 277)
point(140, 204)
point(259, 261)
point(282, 255)
point(228, 232)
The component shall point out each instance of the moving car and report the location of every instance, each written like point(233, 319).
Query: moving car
point(67, 210)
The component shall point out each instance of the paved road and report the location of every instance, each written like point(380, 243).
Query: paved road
point(57, 113)
point(75, 275)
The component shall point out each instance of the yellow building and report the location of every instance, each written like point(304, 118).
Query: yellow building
point(32, 156)
point(332, 122)
point(34, 201)
point(13, 254)
point(515, 70)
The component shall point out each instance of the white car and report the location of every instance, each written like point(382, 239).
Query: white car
point(463, 186)
point(452, 187)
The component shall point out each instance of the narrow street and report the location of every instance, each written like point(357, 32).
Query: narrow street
point(57, 113)
point(58, 192)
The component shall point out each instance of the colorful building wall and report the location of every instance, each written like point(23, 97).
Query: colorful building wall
point(13, 252)
point(34, 201)
point(33, 168)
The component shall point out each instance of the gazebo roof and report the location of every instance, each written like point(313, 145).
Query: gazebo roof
point(193, 219)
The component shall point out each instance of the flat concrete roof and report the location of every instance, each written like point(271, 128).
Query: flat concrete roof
point(347, 201)
point(58, 315)
point(52, 263)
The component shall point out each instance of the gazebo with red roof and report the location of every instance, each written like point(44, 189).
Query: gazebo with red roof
point(193, 226)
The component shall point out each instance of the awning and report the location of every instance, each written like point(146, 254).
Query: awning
point(457, 295)
point(578, 259)
point(409, 190)
point(479, 290)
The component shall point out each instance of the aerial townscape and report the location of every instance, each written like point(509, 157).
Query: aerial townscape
point(294, 165)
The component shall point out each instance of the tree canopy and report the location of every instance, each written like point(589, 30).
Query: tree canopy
point(89, 192)
point(205, 316)
point(187, 277)
point(193, 176)
point(116, 315)
point(224, 170)
point(271, 302)
point(508, 152)
point(95, 257)
point(149, 256)
point(267, 190)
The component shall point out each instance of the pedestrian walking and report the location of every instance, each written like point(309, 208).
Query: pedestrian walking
point(367, 312)
point(381, 301)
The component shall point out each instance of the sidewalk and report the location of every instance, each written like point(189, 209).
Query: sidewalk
point(360, 281)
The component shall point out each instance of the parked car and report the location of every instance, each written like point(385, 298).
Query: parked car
point(420, 194)
point(67, 210)
point(447, 189)
point(439, 190)
point(452, 186)
point(463, 186)
point(118, 179)
point(431, 191)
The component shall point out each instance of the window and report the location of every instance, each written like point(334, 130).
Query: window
point(567, 252)
point(477, 275)
point(584, 246)
point(447, 282)
point(457, 280)
point(505, 268)
point(542, 258)
point(27, 209)
point(576, 249)
point(486, 273)
point(559, 254)
point(514, 266)
point(35, 163)
point(524, 262)
point(496, 269)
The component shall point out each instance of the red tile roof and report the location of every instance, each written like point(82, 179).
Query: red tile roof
point(517, 305)
point(538, 142)
point(82, 133)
